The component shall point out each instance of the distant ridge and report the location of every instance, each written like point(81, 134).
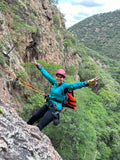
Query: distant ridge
point(101, 33)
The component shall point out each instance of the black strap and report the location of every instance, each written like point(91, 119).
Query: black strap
point(53, 99)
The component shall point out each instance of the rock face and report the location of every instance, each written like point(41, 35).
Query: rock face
point(28, 29)
point(35, 29)
point(19, 141)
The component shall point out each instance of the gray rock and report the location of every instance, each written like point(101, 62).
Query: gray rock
point(19, 141)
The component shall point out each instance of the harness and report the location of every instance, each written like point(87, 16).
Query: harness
point(55, 113)
point(69, 100)
point(48, 100)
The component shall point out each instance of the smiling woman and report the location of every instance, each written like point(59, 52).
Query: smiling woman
point(60, 76)
point(51, 110)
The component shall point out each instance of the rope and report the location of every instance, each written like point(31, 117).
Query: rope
point(24, 82)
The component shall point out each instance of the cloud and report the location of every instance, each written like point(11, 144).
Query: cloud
point(74, 13)
point(77, 10)
point(86, 3)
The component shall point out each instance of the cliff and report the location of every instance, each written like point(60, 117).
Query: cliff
point(27, 29)
point(33, 29)
point(20, 141)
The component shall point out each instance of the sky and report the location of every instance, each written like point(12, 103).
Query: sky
point(76, 10)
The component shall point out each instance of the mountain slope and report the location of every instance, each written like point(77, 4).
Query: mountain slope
point(101, 33)
point(36, 29)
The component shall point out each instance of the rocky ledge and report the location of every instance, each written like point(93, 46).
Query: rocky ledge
point(19, 141)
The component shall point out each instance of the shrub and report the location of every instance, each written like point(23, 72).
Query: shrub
point(56, 20)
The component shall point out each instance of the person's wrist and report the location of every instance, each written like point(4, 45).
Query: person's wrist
point(38, 65)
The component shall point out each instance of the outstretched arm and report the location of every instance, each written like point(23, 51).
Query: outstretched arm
point(44, 72)
point(78, 85)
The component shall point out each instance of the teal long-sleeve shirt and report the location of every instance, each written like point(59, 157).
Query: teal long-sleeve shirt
point(59, 92)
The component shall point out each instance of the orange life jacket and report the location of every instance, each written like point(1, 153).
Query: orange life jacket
point(69, 100)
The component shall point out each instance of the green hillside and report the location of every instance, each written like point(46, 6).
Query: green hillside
point(101, 33)
point(92, 132)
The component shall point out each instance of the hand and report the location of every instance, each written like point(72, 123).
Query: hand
point(96, 79)
point(92, 81)
point(35, 62)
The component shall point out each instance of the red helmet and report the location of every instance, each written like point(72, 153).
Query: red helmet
point(61, 71)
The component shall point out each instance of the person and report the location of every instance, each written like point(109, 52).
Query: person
point(51, 110)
